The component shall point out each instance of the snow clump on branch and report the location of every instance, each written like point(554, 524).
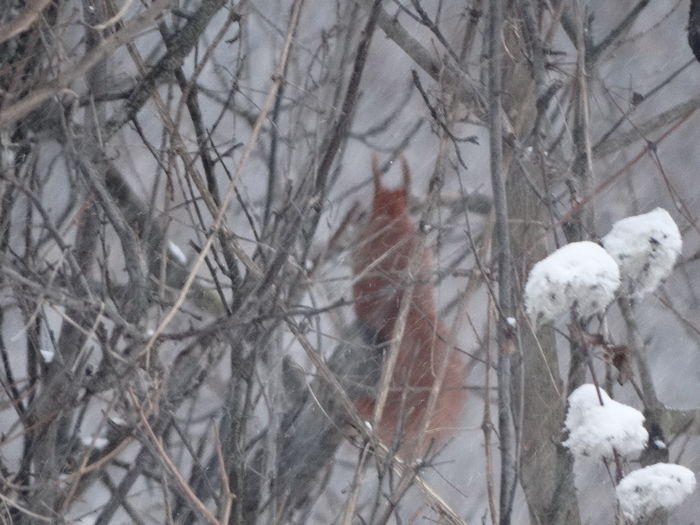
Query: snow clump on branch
point(595, 429)
point(646, 248)
point(655, 487)
point(580, 276)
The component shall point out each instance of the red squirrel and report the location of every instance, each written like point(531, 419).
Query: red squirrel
point(381, 261)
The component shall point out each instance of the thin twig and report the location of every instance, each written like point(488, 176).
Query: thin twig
point(168, 463)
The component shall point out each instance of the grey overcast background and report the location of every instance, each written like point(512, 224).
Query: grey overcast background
point(117, 146)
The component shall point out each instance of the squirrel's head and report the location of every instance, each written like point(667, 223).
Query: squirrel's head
point(390, 202)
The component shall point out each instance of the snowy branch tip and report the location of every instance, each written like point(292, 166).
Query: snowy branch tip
point(595, 429)
point(646, 248)
point(581, 276)
point(659, 486)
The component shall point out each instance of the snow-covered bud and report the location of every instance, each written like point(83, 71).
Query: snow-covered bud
point(658, 486)
point(580, 276)
point(595, 429)
point(646, 248)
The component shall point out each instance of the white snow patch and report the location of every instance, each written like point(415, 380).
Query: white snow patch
point(659, 444)
point(658, 486)
point(595, 429)
point(117, 420)
point(47, 355)
point(96, 442)
point(176, 253)
point(646, 248)
point(580, 275)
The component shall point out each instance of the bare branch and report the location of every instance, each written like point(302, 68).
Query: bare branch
point(24, 20)
point(61, 85)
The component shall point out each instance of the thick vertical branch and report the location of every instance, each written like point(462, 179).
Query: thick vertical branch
point(502, 242)
point(654, 410)
point(546, 467)
point(581, 186)
point(694, 28)
point(60, 383)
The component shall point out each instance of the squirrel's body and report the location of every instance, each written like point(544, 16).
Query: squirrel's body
point(381, 264)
